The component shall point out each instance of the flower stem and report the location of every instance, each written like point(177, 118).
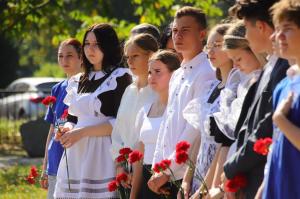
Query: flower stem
point(176, 184)
point(198, 175)
point(67, 170)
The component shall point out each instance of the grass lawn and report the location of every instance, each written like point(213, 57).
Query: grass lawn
point(13, 184)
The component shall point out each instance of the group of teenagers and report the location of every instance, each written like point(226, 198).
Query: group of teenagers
point(219, 93)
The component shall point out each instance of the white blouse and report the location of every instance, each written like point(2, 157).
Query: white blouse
point(148, 128)
point(124, 133)
point(231, 100)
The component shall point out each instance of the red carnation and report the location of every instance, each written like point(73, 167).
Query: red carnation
point(121, 158)
point(236, 183)
point(112, 186)
point(33, 172)
point(121, 177)
point(65, 114)
point(182, 146)
point(181, 157)
point(161, 166)
point(49, 100)
point(156, 168)
point(262, 146)
point(166, 163)
point(125, 151)
point(135, 156)
point(30, 179)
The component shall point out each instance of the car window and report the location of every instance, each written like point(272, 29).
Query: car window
point(45, 87)
point(20, 87)
point(11, 87)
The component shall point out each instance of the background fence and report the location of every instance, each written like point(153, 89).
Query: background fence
point(17, 108)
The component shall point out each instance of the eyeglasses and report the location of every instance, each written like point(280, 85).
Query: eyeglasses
point(91, 45)
point(216, 45)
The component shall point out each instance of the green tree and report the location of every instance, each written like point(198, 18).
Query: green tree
point(35, 27)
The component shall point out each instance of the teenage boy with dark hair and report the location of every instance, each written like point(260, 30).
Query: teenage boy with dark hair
point(188, 34)
point(256, 116)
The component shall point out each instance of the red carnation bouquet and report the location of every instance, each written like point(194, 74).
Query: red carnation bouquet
point(125, 159)
point(262, 146)
point(181, 157)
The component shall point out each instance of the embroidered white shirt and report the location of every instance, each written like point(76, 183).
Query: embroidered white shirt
point(186, 83)
point(124, 133)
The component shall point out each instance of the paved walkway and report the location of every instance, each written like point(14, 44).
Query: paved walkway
point(6, 161)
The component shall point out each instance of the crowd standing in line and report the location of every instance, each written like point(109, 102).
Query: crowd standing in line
point(224, 98)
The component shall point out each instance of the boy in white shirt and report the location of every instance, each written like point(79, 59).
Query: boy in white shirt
point(188, 34)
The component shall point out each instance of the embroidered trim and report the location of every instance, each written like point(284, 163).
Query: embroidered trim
point(89, 181)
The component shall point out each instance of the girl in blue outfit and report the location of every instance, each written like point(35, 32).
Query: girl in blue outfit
point(283, 177)
point(69, 59)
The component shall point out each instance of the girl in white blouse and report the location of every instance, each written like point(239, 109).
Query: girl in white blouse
point(137, 50)
point(161, 66)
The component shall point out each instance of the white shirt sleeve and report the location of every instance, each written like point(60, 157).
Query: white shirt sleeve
point(117, 142)
point(139, 121)
point(190, 134)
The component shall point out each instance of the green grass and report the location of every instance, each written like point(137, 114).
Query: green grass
point(14, 186)
point(9, 131)
point(12, 179)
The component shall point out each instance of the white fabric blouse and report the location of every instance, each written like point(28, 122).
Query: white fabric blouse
point(231, 100)
point(124, 133)
point(148, 128)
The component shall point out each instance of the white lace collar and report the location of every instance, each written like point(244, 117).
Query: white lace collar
point(96, 74)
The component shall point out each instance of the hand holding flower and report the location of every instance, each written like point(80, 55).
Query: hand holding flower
point(186, 186)
point(60, 131)
point(44, 180)
point(157, 181)
point(127, 183)
point(71, 137)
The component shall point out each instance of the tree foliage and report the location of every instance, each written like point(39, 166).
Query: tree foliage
point(35, 27)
